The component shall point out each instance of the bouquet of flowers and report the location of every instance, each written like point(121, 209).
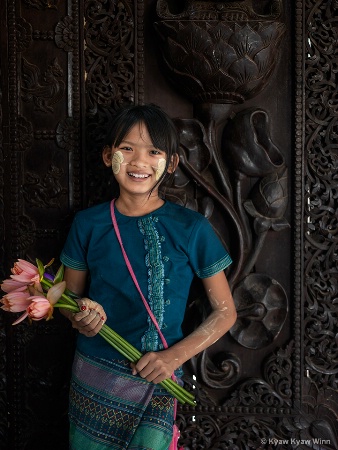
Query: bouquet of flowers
point(33, 291)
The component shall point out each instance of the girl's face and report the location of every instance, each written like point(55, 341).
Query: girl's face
point(137, 165)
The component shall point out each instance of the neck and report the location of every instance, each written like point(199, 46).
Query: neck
point(138, 206)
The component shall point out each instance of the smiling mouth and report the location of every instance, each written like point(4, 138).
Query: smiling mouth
point(138, 175)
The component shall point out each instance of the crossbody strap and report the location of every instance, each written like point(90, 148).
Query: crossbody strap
point(133, 276)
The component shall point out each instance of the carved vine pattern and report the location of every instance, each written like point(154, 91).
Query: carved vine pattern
point(321, 212)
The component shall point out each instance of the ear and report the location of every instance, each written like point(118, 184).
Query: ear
point(173, 163)
point(107, 156)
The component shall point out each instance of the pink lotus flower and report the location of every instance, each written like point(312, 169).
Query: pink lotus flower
point(25, 272)
point(40, 307)
point(10, 285)
point(16, 301)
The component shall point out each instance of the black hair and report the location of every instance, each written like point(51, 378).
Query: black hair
point(160, 126)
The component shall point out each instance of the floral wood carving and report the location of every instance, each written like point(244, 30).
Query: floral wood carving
point(219, 62)
point(46, 191)
point(109, 54)
point(320, 204)
point(66, 34)
point(44, 91)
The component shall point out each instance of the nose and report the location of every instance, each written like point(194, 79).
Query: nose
point(139, 160)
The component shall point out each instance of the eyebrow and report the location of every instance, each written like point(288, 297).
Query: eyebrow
point(133, 143)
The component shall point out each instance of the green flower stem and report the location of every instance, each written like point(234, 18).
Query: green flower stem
point(65, 306)
point(122, 346)
point(133, 355)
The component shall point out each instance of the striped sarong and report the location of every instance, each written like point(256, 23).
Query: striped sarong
point(112, 409)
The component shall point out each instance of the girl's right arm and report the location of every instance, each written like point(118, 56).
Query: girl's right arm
point(91, 317)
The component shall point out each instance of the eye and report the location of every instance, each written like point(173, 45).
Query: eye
point(156, 152)
point(126, 148)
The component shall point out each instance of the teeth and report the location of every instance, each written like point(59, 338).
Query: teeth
point(138, 175)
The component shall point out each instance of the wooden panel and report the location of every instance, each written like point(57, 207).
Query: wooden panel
point(252, 87)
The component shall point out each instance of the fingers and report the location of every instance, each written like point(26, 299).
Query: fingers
point(90, 318)
point(152, 367)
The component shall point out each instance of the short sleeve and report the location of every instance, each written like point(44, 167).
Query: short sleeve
point(74, 253)
point(207, 254)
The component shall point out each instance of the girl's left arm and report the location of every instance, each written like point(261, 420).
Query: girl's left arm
point(157, 366)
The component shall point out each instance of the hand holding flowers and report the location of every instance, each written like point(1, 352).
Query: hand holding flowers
point(35, 293)
point(90, 318)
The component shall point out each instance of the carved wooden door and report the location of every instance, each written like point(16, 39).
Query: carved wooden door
point(253, 90)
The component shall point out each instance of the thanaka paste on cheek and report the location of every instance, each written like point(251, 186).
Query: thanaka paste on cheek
point(116, 162)
point(160, 168)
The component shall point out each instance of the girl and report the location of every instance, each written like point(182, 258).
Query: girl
point(115, 405)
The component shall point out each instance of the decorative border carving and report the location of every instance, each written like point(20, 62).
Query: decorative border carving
point(320, 218)
point(298, 208)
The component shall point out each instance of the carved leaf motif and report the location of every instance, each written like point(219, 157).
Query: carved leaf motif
point(224, 55)
point(195, 62)
point(178, 52)
point(219, 81)
point(193, 142)
point(278, 371)
point(246, 41)
point(244, 70)
point(194, 38)
point(221, 32)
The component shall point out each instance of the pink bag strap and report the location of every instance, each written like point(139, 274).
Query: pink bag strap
point(118, 235)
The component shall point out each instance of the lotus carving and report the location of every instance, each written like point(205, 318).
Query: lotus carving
point(219, 62)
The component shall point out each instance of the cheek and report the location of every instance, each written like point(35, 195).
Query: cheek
point(116, 162)
point(160, 168)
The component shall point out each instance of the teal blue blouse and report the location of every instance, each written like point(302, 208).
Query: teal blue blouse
point(166, 249)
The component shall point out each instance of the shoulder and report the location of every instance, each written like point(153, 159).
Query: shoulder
point(182, 214)
point(94, 214)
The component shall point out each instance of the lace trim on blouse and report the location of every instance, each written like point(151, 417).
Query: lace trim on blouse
point(154, 262)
